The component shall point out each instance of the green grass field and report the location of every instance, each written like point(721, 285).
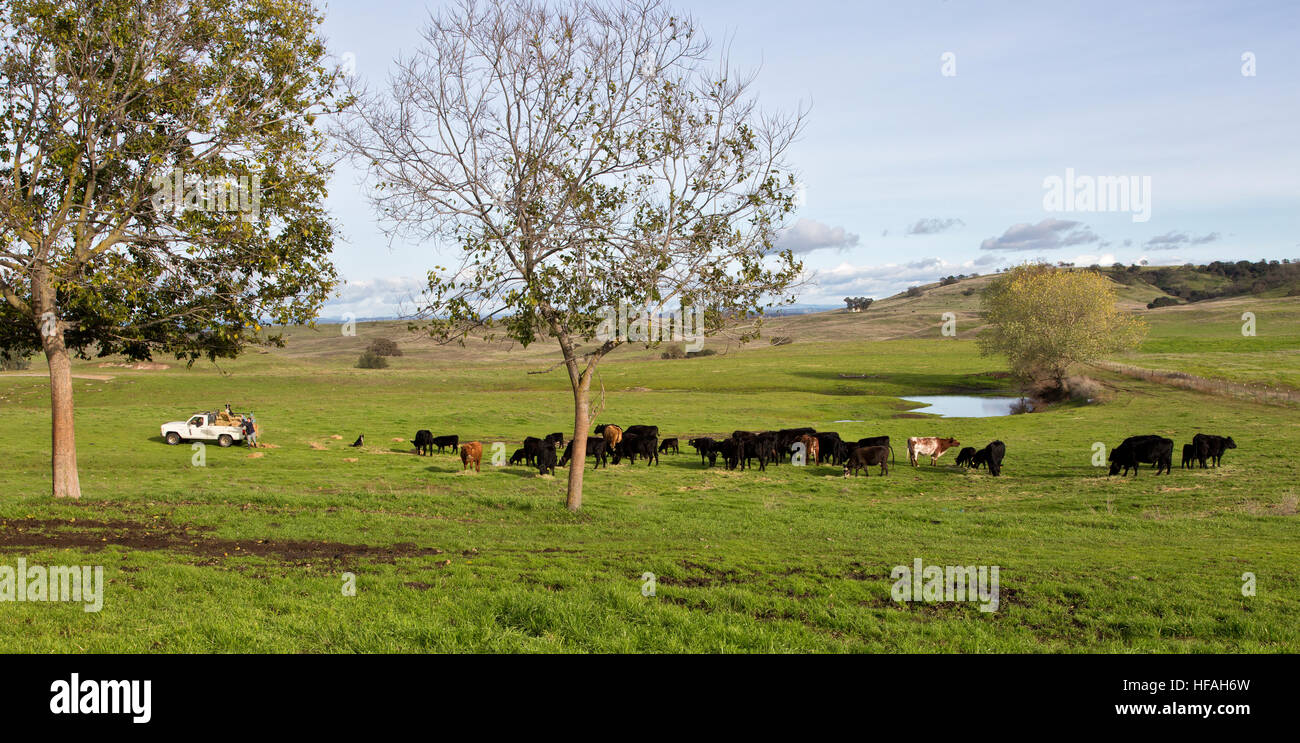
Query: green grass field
point(248, 553)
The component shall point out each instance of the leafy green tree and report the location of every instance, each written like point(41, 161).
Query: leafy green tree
point(579, 155)
point(163, 182)
point(1046, 319)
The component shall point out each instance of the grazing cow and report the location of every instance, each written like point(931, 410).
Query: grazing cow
point(828, 447)
point(633, 445)
point(919, 446)
point(668, 445)
point(991, 456)
point(965, 456)
point(360, 441)
point(532, 450)
point(423, 442)
point(761, 447)
point(643, 430)
point(730, 449)
point(878, 441)
point(555, 438)
point(546, 460)
point(1189, 456)
point(810, 448)
point(518, 457)
point(613, 434)
point(1210, 448)
point(448, 441)
point(595, 452)
point(1149, 448)
point(865, 457)
point(470, 453)
point(705, 447)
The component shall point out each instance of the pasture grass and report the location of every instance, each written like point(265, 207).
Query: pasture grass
point(248, 552)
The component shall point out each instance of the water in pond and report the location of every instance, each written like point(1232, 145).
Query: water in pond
point(964, 406)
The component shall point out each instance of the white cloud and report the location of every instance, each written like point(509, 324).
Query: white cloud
point(808, 235)
point(383, 297)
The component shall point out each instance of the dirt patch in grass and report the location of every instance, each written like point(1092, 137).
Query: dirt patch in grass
point(94, 535)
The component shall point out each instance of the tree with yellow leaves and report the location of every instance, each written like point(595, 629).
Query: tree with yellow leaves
point(1045, 320)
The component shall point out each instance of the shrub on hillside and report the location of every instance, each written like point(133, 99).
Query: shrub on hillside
point(384, 347)
point(372, 360)
point(673, 352)
point(1162, 302)
point(914, 291)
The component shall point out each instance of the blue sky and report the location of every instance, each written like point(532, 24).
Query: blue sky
point(911, 174)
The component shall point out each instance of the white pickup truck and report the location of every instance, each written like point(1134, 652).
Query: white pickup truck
point(201, 427)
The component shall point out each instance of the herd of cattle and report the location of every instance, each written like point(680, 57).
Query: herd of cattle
point(743, 449)
point(1205, 449)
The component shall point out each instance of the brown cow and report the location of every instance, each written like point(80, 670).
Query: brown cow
point(919, 446)
point(613, 434)
point(470, 452)
point(810, 449)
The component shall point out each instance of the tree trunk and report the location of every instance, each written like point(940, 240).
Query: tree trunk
point(63, 443)
point(580, 426)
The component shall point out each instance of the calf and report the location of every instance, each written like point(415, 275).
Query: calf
point(1149, 448)
point(423, 442)
point(865, 457)
point(446, 441)
point(518, 457)
point(1189, 456)
point(965, 456)
point(546, 460)
point(811, 448)
point(1210, 448)
point(595, 452)
point(470, 453)
point(991, 456)
point(919, 446)
point(878, 441)
point(668, 445)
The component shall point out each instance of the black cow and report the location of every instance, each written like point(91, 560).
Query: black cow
point(730, 449)
point(533, 449)
point(517, 457)
point(452, 441)
point(595, 452)
point(1148, 448)
point(829, 446)
point(423, 442)
point(668, 445)
point(864, 457)
point(555, 438)
point(761, 447)
point(546, 459)
point(706, 447)
point(651, 431)
point(965, 456)
point(878, 441)
point(787, 436)
point(1189, 456)
point(1210, 448)
point(633, 446)
point(991, 456)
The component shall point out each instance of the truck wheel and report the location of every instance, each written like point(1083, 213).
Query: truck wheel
point(173, 438)
point(225, 440)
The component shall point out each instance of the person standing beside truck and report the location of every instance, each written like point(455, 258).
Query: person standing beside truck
point(250, 431)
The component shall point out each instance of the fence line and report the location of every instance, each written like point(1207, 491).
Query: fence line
point(1257, 393)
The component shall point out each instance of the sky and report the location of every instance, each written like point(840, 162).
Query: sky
point(960, 137)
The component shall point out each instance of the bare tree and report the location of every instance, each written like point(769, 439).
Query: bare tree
point(579, 155)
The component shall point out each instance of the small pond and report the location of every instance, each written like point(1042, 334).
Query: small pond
point(964, 406)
